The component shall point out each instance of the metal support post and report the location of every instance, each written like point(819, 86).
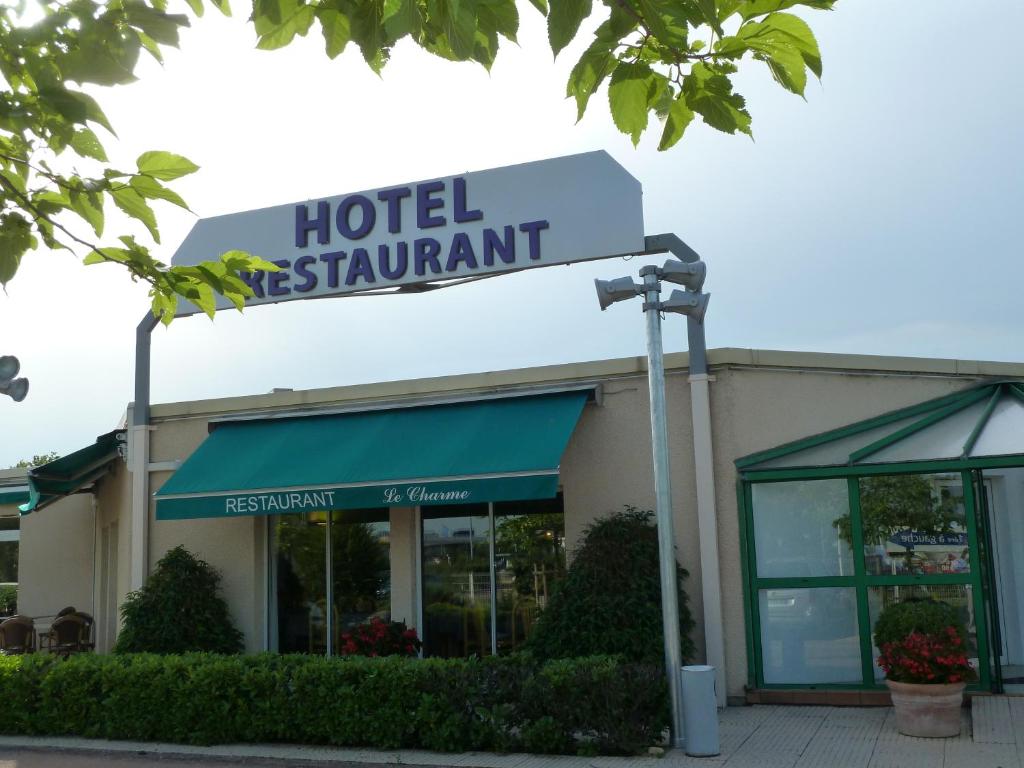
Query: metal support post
point(138, 455)
point(663, 501)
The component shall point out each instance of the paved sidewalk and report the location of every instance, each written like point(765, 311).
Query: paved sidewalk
point(751, 737)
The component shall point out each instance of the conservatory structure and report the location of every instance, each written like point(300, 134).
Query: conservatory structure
point(922, 502)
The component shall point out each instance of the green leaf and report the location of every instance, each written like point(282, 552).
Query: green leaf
point(748, 9)
point(679, 117)
point(85, 143)
point(89, 206)
point(500, 15)
point(634, 88)
point(709, 14)
point(15, 239)
point(401, 17)
point(709, 93)
point(161, 27)
point(297, 22)
point(196, 6)
point(152, 189)
point(133, 204)
point(336, 30)
point(564, 19)
point(102, 54)
point(596, 63)
point(165, 165)
point(667, 20)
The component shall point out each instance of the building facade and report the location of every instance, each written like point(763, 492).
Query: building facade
point(455, 503)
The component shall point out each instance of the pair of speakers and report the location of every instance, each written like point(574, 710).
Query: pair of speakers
point(13, 387)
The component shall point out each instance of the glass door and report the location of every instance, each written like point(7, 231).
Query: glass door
point(457, 581)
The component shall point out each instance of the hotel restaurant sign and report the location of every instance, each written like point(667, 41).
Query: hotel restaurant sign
point(556, 211)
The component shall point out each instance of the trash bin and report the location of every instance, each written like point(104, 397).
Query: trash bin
point(700, 711)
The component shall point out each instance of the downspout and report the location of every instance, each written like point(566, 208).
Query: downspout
point(138, 455)
point(707, 513)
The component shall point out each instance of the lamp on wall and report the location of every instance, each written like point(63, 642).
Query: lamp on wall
point(14, 388)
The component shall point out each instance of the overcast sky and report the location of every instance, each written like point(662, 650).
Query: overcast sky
point(880, 216)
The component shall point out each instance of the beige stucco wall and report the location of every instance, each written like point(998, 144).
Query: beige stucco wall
point(754, 409)
point(608, 464)
point(235, 546)
point(55, 559)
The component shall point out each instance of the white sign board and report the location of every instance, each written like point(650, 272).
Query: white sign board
point(554, 211)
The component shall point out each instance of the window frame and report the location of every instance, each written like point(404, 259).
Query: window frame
point(859, 580)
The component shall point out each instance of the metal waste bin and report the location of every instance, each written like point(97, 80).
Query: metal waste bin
point(700, 711)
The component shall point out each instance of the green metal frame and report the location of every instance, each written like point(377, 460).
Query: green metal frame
point(860, 581)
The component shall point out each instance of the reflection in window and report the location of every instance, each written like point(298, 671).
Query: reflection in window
point(361, 575)
point(301, 542)
point(795, 530)
point(361, 566)
point(456, 581)
point(809, 636)
point(9, 540)
point(912, 525)
point(529, 558)
point(960, 596)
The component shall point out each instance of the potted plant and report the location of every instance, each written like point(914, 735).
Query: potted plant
point(923, 651)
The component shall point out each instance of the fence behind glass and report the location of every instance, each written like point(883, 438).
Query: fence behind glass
point(529, 560)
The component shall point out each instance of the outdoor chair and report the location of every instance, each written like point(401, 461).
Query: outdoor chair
point(68, 634)
point(17, 635)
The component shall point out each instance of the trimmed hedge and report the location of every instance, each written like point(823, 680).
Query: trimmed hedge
point(597, 704)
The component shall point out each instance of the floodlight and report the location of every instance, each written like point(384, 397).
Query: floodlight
point(9, 367)
point(687, 274)
point(686, 303)
point(16, 388)
point(611, 291)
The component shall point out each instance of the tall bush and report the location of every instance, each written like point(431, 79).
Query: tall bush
point(610, 600)
point(178, 610)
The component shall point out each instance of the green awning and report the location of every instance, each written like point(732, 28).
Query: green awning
point(13, 494)
point(72, 473)
point(500, 449)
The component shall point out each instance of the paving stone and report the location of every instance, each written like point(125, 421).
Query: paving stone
point(967, 754)
point(992, 721)
point(1017, 720)
point(894, 750)
point(777, 743)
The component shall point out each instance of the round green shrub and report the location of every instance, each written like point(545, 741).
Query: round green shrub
point(178, 610)
point(610, 599)
point(926, 617)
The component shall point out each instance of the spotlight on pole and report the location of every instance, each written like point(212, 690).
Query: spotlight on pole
point(16, 389)
point(685, 303)
point(611, 291)
point(687, 274)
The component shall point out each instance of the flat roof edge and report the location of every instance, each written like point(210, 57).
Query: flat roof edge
point(590, 370)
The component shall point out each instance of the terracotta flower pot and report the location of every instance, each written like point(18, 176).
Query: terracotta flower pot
point(929, 710)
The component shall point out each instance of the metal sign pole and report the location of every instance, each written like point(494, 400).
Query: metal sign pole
point(663, 500)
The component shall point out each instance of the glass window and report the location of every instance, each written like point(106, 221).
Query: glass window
point(809, 636)
point(802, 529)
point(10, 535)
point(960, 596)
point(913, 525)
point(529, 558)
point(361, 568)
point(301, 549)
point(456, 580)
